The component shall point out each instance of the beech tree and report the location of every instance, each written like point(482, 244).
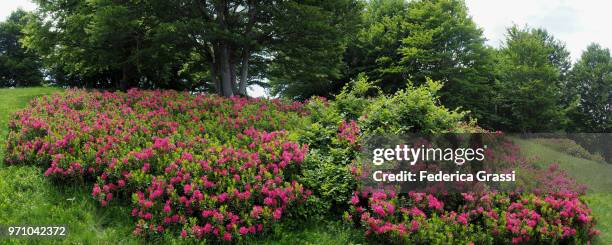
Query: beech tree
point(531, 69)
point(420, 39)
point(18, 66)
point(590, 84)
point(223, 44)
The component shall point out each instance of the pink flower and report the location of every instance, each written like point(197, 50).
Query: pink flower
point(354, 199)
point(277, 213)
point(227, 236)
point(207, 228)
point(434, 203)
point(243, 230)
point(463, 218)
point(378, 210)
point(414, 226)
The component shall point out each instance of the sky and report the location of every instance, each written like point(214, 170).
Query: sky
point(8, 6)
point(575, 22)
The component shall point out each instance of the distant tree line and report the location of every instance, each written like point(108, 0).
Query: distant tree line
point(298, 49)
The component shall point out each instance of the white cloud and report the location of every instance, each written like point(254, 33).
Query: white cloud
point(8, 6)
point(575, 22)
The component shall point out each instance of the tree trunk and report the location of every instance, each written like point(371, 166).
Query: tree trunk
point(244, 73)
point(233, 73)
point(225, 72)
point(214, 77)
point(124, 83)
point(224, 51)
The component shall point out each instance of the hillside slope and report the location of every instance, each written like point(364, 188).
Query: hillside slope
point(591, 173)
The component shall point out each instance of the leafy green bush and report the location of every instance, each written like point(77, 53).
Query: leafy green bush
point(333, 146)
point(353, 100)
point(414, 109)
point(361, 109)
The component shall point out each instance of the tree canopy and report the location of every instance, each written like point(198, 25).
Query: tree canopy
point(590, 84)
point(532, 66)
point(18, 66)
point(418, 40)
point(184, 44)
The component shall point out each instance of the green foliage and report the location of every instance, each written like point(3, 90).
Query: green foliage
point(531, 69)
point(353, 99)
point(18, 67)
point(185, 44)
point(327, 169)
point(309, 58)
point(414, 109)
point(419, 39)
point(108, 44)
point(374, 50)
point(590, 85)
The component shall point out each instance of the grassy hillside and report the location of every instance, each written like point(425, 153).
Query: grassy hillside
point(594, 174)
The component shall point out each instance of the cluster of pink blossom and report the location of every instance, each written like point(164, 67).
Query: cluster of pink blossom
point(348, 131)
point(197, 166)
point(550, 212)
point(482, 218)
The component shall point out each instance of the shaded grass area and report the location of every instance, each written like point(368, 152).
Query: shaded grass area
point(596, 175)
point(27, 197)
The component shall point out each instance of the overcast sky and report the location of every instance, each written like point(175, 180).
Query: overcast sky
point(575, 22)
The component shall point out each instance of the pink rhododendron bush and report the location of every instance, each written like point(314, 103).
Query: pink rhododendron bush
point(204, 167)
point(197, 166)
point(489, 218)
point(551, 212)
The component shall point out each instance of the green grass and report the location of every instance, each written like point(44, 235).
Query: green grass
point(13, 99)
point(595, 175)
point(27, 197)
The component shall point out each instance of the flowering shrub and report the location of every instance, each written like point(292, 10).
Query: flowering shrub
point(337, 126)
point(197, 166)
point(551, 213)
point(480, 218)
point(220, 169)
